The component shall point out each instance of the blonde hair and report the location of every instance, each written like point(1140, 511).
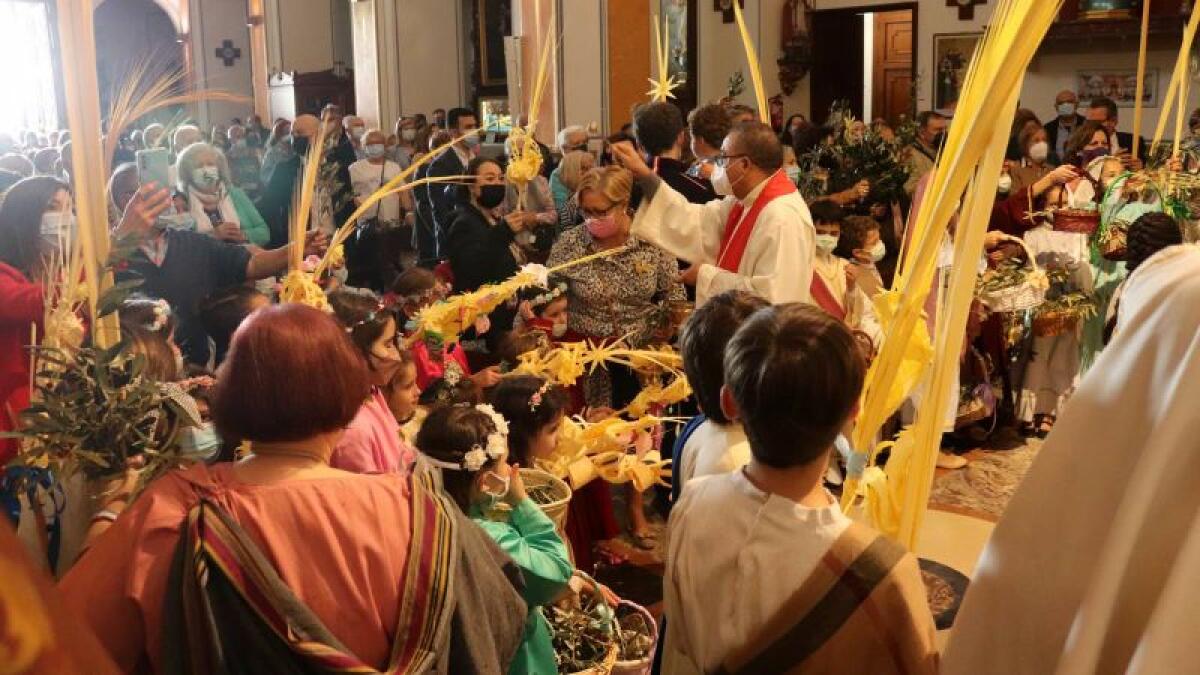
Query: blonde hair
point(614, 182)
point(571, 168)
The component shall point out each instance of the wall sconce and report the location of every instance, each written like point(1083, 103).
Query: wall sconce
point(254, 20)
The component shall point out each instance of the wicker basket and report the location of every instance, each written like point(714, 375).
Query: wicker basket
point(605, 667)
point(1029, 293)
point(556, 510)
point(641, 666)
point(1052, 324)
point(1083, 221)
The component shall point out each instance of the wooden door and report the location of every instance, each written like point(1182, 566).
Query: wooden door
point(892, 70)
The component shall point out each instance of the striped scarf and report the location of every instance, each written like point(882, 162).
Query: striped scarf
point(229, 612)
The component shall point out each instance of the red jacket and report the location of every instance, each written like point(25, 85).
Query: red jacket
point(20, 307)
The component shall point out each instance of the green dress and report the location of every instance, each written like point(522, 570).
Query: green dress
point(529, 538)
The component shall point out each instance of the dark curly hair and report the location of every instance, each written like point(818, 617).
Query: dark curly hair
point(1149, 234)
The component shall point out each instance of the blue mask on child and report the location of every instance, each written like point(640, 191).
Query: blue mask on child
point(201, 442)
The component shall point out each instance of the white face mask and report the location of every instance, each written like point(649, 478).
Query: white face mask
point(1039, 151)
point(1065, 109)
point(878, 251)
point(358, 132)
point(1005, 184)
point(826, 243)
point(720, 181)
point(374, 150)
point(559, 329)
point(55, 222)
point(496, 494)
point(793, 173)
point(408, 134)
point(206, 176)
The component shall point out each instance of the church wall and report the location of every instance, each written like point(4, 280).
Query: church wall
point(1053, 69)
point(213, 22)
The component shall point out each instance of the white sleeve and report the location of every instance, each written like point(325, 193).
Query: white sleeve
point(688, 231)
point(677, 651)
point(781, 255)
point(868, 322)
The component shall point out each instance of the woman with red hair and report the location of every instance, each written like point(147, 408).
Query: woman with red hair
point(280, 558)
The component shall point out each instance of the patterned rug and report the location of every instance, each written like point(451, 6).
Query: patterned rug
point(982, 489)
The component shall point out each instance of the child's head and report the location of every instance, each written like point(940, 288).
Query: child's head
point(222, 312)
point(827, 220)
point(467, 443)
point(702, 344)
point(789, 156)
point(149, 326)
point(534, 409)
point(860, 239)
point(371, 325)
point(1149, 234)
point(793, 375)
point(417, 287)
point(549, 305)
point(403, 394)
point(515, 343)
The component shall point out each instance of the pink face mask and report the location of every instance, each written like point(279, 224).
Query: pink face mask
point(601, 228)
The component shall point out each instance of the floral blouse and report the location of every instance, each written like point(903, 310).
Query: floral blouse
point(625, 294)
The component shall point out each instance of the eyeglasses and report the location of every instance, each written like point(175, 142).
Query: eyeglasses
point(587, 215)
point(722, 160)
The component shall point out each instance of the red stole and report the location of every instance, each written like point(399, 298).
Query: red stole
point(738, 231)
point(825, 299)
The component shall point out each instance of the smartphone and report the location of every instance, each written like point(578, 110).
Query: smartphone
point(152, 167)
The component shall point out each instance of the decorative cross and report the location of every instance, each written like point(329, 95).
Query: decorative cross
point(966, 8)
point(228, 53)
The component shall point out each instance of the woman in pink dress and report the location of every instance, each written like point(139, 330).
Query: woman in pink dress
point(281, 563)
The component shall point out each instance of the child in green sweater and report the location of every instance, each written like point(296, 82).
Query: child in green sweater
point(469, 445)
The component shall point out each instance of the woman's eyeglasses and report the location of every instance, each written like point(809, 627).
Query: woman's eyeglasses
point(588, 215)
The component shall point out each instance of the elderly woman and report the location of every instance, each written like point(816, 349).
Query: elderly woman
point(565, 181)
point(1034, 147)
point(220, 208)
point(625, 295)
point(216, 562)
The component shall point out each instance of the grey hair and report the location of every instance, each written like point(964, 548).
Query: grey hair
point(571, 169)
point(566, 133)
point(190, 158)
point(180, 130)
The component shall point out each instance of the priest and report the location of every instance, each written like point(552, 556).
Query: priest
point(758, 237)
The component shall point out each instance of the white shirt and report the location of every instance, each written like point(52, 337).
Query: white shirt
point(713, 449)
point(778, 261)
point(366, 178)
point(735, 556)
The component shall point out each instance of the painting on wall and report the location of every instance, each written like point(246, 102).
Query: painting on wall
point(679, 17)
point(494, 23)
point(1119, 85)
point(951, 56)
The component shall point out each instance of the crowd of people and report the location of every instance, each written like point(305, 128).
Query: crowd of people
point(360, 501)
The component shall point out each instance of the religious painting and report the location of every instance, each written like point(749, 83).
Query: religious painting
point(1119, 85)
point(494, 24)
point(679, 18)
point(951, 57)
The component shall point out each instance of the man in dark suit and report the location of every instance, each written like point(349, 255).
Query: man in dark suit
point(452, 162)
point(1104, 111)
point(1059, 129)
point(275, 205)
point(659, 130)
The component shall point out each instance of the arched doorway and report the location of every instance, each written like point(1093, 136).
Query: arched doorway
point(130, 32)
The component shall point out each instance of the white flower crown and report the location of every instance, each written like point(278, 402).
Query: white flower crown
point(477, 456)
point(162, 312)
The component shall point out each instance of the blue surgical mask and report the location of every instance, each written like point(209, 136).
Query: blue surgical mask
point(1065, 109)
point(374, 150)
point(793, 173)
point(472, 141)
point(200, 442)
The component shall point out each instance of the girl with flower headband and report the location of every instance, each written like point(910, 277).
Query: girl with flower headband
point(469, 444)
point(415, 288)
point(535, 410)
point(545, 310)
point(372, 443)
